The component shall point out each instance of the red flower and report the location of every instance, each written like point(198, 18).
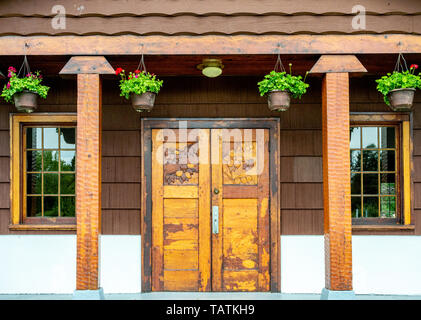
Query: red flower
point(415, 66)
point(118, 71)
point(137, 71)
point(11, 69)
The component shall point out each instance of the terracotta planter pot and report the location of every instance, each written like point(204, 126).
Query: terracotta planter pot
point(26, 101)
point(143, 102)
point(279, 100)
point(401, 99)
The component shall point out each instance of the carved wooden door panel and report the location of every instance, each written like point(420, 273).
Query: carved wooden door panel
point(210, 210)
point(180, 212)
point(240, 191)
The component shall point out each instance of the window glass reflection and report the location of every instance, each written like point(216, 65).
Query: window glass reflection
point(374, 176)
point(50, 171)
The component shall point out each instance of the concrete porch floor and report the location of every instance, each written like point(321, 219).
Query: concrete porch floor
point(204, 296)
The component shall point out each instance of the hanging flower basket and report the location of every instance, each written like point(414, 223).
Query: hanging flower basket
point(25, 101)
point(401, 99)
point(143, 102)
point(279, 100)
point(280, 86)
point(139, 86)
point(23, 92)
point(398, 88)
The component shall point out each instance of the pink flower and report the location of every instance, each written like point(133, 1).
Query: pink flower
point(8, 85)
point(11, 69)
point(415, 66)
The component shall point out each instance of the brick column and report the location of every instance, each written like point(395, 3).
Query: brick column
point(336, 173)
point(88, 171)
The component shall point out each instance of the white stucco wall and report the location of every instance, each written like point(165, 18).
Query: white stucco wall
point(120, 264)
point(302, 264)
point(37, 263)
point(387, 264)
point(47, 264)
point(381, 264)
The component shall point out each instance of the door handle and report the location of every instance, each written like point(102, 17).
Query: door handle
point(215, 219)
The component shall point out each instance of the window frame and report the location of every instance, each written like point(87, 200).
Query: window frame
point(18, 122)
point(403, 165)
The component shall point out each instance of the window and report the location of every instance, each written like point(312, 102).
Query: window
point(380, 186)
point(50, 154)
point(374, 175)
point(45, 146)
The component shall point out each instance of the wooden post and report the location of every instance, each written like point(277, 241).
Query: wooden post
point(336, 173)
point(88, 171)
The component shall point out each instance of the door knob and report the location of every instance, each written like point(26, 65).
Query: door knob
point(216, 191)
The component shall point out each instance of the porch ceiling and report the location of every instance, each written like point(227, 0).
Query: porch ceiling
point(185, 65)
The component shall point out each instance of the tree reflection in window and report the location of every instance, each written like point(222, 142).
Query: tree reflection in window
point(374, 174)
point(50, 171)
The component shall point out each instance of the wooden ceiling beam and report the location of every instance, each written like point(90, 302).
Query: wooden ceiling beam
point(235, 65)
point(211, 45)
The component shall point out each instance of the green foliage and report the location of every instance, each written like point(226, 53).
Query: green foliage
point(398, 80)
point(283, 81)
point(138, 82)
point(31, 82)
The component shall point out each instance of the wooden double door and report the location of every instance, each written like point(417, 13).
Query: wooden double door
point(210, 210)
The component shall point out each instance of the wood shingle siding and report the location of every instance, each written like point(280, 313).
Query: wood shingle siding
point(215, 25)
point(207, 8)
point(195, 17)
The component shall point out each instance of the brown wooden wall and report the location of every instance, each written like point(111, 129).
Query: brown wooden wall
point(301, 144)
point(167, 17)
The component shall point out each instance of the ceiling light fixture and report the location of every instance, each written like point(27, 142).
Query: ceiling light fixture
point(211, 68)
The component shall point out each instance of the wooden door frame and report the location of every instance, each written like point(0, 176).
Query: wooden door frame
point(272, 124)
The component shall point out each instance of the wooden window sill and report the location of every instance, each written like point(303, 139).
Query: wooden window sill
point(42, 227)
point(383, 227)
